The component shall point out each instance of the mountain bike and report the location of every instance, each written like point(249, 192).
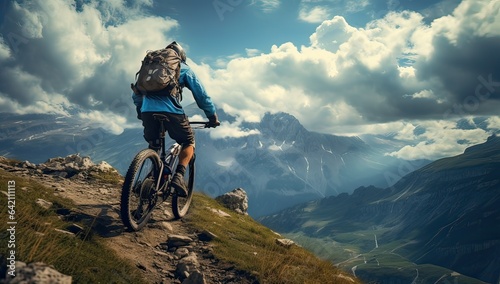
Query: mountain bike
point(147, 182)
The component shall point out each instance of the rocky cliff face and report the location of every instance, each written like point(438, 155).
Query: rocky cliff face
point(452, 207)
point(448, 211)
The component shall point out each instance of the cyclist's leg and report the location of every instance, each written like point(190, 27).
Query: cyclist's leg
point(151, 130)
point(186, 155)
point(180, 131)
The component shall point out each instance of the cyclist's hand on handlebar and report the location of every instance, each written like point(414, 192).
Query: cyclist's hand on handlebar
point(213, 121)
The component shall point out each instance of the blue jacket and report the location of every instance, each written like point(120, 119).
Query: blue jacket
point(166, 103)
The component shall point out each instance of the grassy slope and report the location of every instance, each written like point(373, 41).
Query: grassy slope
point(85, 256)
point(241, 241)
point(251, 247)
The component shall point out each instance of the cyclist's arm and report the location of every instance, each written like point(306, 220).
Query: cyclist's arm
point(138, 104)
point(137, 100)
point(201, 97)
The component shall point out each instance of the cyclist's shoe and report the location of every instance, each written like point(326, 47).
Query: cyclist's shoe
point(179, 185)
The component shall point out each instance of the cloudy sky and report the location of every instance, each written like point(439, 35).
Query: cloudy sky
point(426, 73)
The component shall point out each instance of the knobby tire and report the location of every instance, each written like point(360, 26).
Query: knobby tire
point(138, 185)
point(180, 205)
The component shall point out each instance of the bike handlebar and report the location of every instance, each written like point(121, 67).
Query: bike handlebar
point(203, 124)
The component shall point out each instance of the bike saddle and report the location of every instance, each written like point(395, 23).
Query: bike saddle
point(160, 117)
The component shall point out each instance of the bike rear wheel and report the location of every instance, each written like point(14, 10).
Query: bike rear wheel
point(180, 205)
point(138, 197)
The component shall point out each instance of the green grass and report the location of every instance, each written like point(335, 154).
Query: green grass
point(325, 248)
point(251, 247)
point(85, 256)
point(241, 241)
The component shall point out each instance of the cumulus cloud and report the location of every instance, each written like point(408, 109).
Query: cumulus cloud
point(374, 72)
point(440, 139)
point(393, 74)
point(331, 34)
point(494, 123)
point(81, 55)
point(397, 68)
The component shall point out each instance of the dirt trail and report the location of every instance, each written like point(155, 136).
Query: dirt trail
point(97, 204)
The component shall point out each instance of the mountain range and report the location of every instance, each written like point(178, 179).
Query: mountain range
point(445, 215)
point(281, 164)
point(340, 197)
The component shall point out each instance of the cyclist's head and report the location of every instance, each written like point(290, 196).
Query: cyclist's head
point(178, 48)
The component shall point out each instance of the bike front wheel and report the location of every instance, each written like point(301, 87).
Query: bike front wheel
point(180, 205)
point(138, 197)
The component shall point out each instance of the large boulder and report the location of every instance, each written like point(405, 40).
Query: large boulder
point(104, 167)
point(70, 164)
point(236, 200)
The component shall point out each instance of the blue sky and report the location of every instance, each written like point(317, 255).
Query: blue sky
point(423, 73)
point(222, 28)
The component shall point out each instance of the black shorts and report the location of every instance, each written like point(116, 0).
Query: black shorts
point(178, 129)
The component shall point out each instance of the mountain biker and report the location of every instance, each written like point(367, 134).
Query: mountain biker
point(178, 127)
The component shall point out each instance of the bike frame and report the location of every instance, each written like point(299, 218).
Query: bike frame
point(173, 151)
point(141, 194)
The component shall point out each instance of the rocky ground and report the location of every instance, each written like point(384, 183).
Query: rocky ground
point(166, 251)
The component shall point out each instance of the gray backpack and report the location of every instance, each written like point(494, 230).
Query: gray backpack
point(160, 71)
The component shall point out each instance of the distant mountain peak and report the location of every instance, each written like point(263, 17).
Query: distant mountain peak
point(280, 118)
point(282, 126)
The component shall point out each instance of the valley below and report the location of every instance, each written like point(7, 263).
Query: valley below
point(383, 263)
point(438, 224)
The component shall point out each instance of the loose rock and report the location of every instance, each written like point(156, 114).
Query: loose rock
point(188, 265)
point(44, 203)
point(38, 272)
point(285, 242)
point(236, 200)
point(195, 278)
point(178, 241)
